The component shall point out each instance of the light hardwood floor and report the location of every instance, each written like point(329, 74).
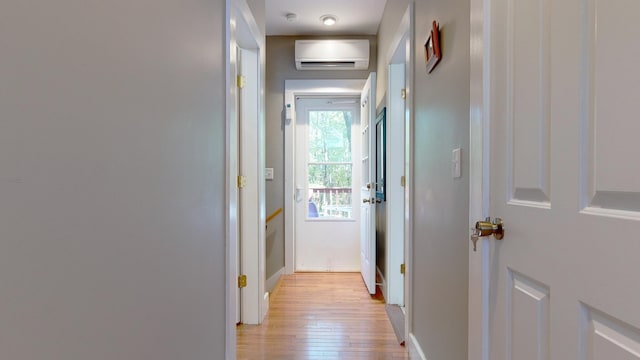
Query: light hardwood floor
point(321, 316)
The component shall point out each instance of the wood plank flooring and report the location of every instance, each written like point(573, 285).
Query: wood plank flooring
point(321, 316)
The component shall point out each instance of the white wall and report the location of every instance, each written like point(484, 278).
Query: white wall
point(112, 180)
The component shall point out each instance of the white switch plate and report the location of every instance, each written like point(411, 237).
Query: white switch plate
point(287, 112)
point(455, 163)
point(268, 174)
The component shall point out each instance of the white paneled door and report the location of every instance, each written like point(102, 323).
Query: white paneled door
point(564, 173)
point(368, 192)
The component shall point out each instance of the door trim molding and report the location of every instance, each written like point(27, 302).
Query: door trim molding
point(250, 36)
point(479, 140)
point(293, 88)
point(252, 214)
point(395, 152)
point(397, 108)
point(406, 32)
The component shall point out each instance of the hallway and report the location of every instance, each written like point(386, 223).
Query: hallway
point(321, 316)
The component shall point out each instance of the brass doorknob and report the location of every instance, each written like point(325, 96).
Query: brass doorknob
point(486, 228)
point(489, 227)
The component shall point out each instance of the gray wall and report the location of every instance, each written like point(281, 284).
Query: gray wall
point(393, 12)
point(112, 180)
point(281, 67)
point(258, 10)
point(440, 203)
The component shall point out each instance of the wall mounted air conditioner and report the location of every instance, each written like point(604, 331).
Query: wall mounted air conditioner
point(332, 54)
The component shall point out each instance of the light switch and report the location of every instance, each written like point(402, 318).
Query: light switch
point(268, 174)
point(455, 163)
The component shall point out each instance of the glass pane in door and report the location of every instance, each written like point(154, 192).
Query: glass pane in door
point(329, 164)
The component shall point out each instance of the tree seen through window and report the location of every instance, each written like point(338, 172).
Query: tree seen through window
point(329, 169)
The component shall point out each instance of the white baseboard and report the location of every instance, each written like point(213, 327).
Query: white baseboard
point(273, 280)
point(383, 285)
point(265, 306)
point(381, 276)
point(415, 351)
point(335, 269)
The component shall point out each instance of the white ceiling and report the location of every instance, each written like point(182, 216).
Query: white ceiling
point(355, 17)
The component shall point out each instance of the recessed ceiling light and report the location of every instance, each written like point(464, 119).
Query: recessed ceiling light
point(329, 20)
point(291, 17)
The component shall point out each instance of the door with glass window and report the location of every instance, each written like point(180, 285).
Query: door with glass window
point(327, 207)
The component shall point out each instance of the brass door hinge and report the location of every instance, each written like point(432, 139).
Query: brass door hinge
point(242, 281)
point(402, 269)
point(403, 181)
point(242, 181)
point(403, 93)
point(241, 81)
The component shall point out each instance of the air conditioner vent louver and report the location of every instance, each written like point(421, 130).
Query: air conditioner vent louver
point(350, 64)
point(332, 54)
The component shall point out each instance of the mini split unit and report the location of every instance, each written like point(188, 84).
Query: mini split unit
point(332, 54)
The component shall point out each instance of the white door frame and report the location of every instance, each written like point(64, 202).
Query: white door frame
point(404, 38)
point(242, 30)
point(397, 65)
point(254, 304)
point(325, 244)
point(293, 88)
point(479, 140)
point(394, 191)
